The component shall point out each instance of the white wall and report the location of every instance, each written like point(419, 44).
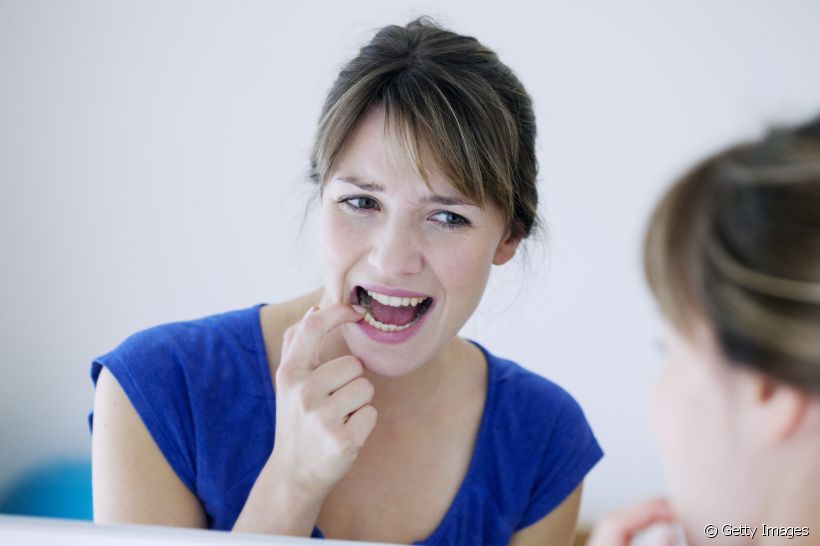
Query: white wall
point(152, 158)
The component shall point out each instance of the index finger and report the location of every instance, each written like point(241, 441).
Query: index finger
point(303, 350)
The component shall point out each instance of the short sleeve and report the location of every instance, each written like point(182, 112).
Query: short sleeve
point(150, 368)
point(569, 454)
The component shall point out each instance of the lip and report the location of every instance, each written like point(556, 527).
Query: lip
point(392, 291)
point(391, 337)
point(394, 337)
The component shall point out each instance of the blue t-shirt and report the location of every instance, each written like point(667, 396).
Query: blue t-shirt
point(204, 391)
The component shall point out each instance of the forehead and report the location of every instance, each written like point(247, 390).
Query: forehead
point(376, 153)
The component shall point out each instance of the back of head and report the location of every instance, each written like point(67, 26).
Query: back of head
point(455, 105)
point(736, 243)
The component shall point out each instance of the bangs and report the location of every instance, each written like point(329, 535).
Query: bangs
point(436, 135)
point(441, 127)
point(454, 108)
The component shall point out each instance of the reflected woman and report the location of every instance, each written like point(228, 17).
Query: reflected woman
point(733, 257)
point(355, 411)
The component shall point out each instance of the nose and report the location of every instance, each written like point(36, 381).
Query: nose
point(395, 250)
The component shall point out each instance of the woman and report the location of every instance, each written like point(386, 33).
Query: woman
point(388, 427)
point(733, 257)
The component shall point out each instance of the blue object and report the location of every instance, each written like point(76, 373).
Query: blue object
point(61, 489)
point(203, 389)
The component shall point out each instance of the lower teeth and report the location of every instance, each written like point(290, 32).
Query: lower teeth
point(368, 318)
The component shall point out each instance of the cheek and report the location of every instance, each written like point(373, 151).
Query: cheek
point(462, 266)
point(685, 415)
point(679, 428)
point(341, 246)
point(684, 422)
point(337, 239)
point(690, 426)
point(666, 412)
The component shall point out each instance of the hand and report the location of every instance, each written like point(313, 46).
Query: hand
point(323, 415)
point(618, 528)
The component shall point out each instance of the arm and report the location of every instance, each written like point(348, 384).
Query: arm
point(556, 528)
point(322, 409)
point(132, 482)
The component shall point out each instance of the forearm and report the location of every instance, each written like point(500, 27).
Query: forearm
point(275, 507)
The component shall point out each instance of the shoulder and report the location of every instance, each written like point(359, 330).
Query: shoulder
point(540, 440)
point(173, 372)
point(184, 379)
point(523, 393)
point(231, 326)
point(536, 422)
point(173, 345)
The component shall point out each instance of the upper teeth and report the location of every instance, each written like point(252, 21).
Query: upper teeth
point(394, 301)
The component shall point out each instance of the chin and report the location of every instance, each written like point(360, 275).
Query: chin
point(388, 367)
point(383, 359)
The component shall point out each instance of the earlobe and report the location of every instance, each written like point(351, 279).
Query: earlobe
point(506, 249)
point(783, 407)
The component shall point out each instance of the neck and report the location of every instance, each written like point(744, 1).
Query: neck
point(783, 494)
point(397, 398)
point(794, 496)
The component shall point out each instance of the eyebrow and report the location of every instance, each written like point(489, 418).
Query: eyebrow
point(430, 198)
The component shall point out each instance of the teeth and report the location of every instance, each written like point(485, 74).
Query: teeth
point(368, 318)
point(393, 301)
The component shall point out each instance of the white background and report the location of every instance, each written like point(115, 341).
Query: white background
point(152, 160)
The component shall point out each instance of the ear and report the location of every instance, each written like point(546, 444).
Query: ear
point(781, 408)
point(506, 249)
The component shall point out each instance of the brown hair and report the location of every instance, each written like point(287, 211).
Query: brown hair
point(736, 242)
point(451, 100)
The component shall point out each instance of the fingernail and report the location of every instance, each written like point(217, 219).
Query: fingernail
point(312, 310)
point(359, 309)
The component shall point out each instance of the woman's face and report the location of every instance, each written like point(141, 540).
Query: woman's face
point(702, 435)
point(416, 257)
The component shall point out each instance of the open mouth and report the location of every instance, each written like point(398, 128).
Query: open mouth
point(391, 313)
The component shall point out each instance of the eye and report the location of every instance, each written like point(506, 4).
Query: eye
point(450, 220)
point(360, 203)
